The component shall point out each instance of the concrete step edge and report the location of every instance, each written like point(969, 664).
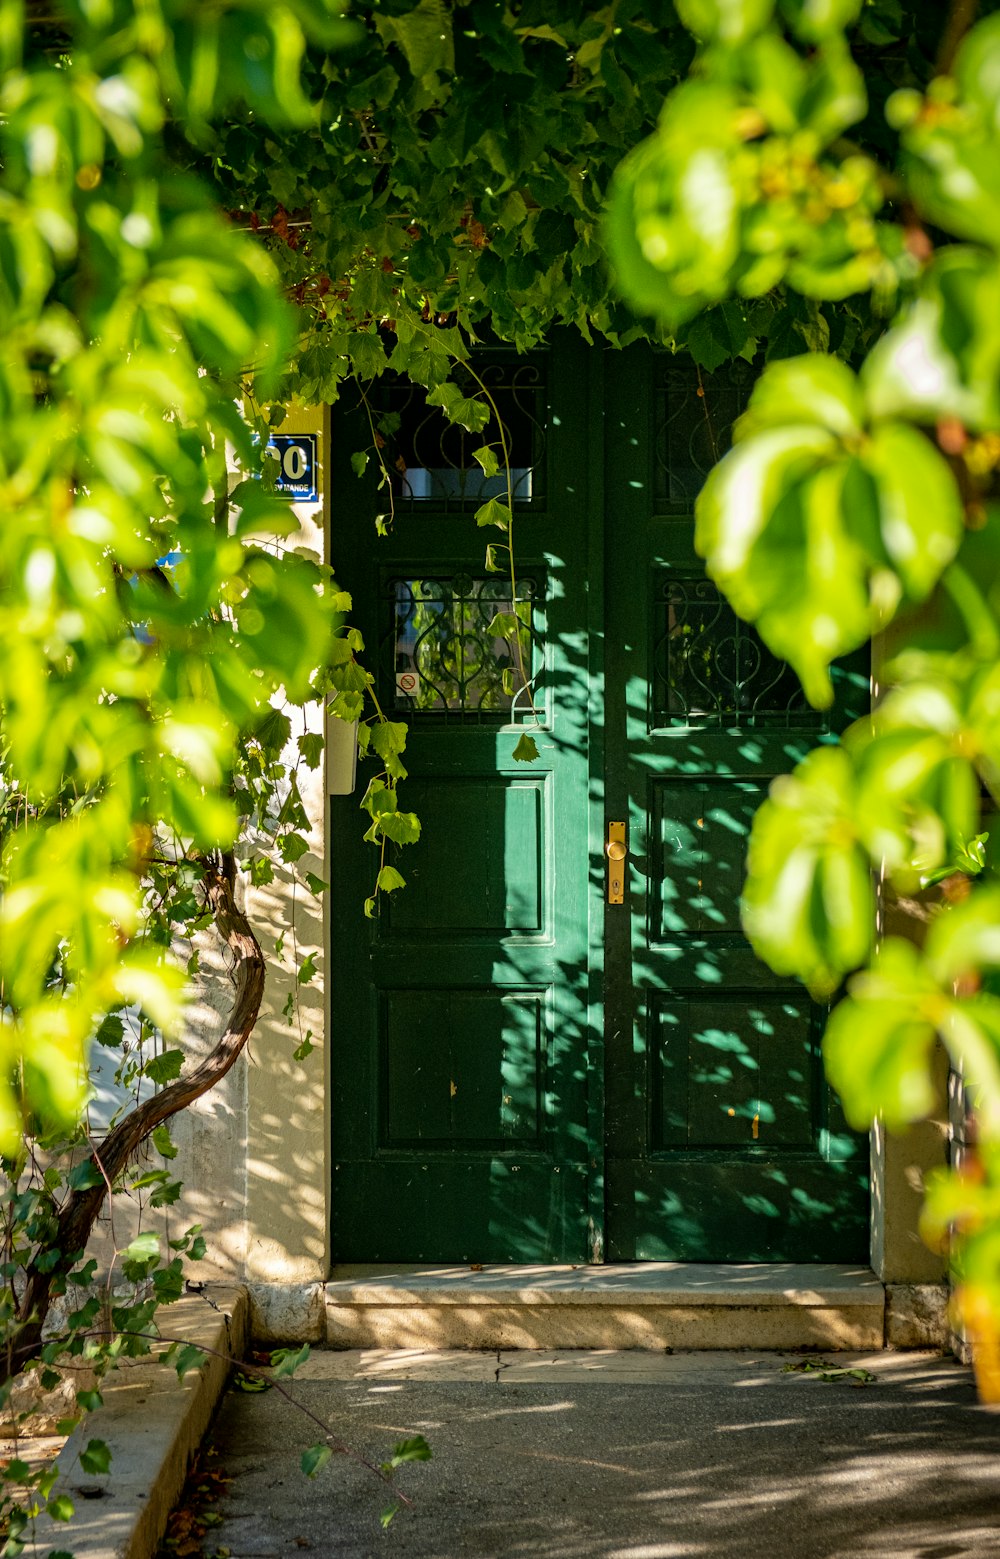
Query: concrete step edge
point(681, 1287)
point(153, 1424)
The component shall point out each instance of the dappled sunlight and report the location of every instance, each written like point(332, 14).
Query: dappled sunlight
point(729, 1453)
point(573, 1079)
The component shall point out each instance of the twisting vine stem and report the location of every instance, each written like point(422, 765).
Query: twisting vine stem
point(961, 16)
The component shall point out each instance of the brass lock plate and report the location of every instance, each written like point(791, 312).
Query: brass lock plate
point(616, 851)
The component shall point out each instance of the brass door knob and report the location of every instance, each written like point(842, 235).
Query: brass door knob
point(616, 850)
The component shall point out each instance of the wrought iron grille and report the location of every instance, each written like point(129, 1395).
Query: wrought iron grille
point(430, 460)
point(695, 412)
point(710, 667)
point(447, 658)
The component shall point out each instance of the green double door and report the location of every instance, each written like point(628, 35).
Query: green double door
point(523, 1071)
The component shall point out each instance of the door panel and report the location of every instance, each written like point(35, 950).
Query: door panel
point(698, 836)
point(723, 1063)
point(462, 1042)
point(498, 886)
point(522, 1071)
point(465, 1067)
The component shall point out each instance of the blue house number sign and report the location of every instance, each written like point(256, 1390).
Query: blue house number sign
point(297, 459)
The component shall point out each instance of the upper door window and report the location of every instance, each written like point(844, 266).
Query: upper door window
point(432, 462)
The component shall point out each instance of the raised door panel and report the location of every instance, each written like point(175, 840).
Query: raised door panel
point(481, 867)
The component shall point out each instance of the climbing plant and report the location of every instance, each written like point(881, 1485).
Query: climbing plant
point(413, 180)
point(860, 500)
point(158, 632)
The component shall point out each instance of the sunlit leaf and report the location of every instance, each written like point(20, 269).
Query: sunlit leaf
point(315, 1459)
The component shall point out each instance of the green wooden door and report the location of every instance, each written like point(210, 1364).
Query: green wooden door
point(483, 1020)
point(463, 1062)
point(723, 1141)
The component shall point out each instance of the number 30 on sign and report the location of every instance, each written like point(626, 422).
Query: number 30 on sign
point(297, 460)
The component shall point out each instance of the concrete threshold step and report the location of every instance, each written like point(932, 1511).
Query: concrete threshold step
point(652, 1305)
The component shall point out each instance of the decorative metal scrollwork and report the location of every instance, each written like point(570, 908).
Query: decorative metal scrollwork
point(695, 413)
point(430, 460)
point(448, 655)
point(710, 667)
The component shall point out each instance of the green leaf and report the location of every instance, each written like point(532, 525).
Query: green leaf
point(468, 412)
point(808, 907)
point(163, 1142)
point(814, 529)
point(95, 1459)
point(389, 880)
point(315, 1458)
point(525, 750)
point(814, 20)
point(812, 390)
point(359, 461)
point(878, 1041)
point(379, 798)
point(400, 827)
point(84, 1176)
point(61, 1508)
point(166, 1195)
point(261, 871)
point(941, 359)
point(111, 1031)
point(487, 459)
point(89, 1401)
point(274, 732)
point(674, 240)
point(164, 1068)
point(285, 1361)
point(966, 939)
point(311, 748)
point(145, 1247)
point(719, 334)
point(951, 159)
point(292, 848)
point(493, 512)
point(414, 1449)
point(425, 36)
point(770, 523)
point(920, 512)
point(251, 1384)
point(188, 1357)
point(388, 737)
point(728, 22)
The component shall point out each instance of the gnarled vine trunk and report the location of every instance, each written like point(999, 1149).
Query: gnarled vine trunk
point(79, 1213)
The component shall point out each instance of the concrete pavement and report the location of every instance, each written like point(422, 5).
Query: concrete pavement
point(605, 1455)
